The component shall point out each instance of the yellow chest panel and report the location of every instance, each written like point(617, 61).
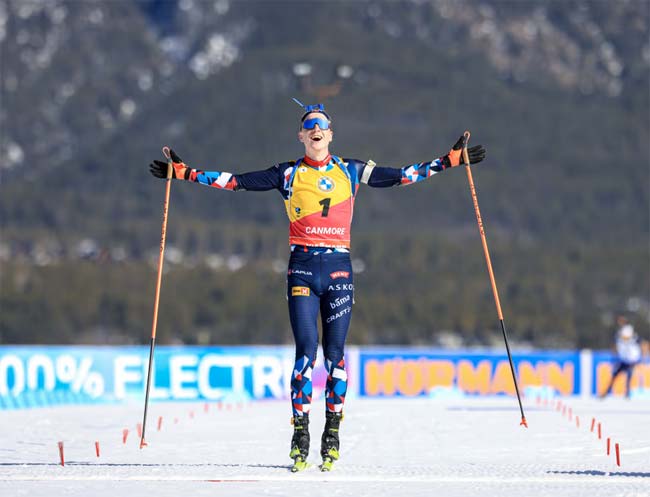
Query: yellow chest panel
point(315, 190)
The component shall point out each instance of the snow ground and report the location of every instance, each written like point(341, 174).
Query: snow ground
point(389, 447)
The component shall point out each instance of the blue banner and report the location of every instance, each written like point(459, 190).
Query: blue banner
point(117, 373)
point(50, 374)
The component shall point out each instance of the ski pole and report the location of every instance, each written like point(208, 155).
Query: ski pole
point(158, 282)
point(481, 229)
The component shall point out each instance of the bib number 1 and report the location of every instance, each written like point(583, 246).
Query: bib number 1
point(326, 206)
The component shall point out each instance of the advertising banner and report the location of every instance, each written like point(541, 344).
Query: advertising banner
point(46, 375)
point(410, 372)
point(179, 373)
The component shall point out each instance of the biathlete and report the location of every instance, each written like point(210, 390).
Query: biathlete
point(628, 352)
point(319, 190)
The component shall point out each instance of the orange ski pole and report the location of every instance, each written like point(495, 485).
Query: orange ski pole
point(495, 292)
point(161, 259)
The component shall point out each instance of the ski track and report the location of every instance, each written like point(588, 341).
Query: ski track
point(451, 447)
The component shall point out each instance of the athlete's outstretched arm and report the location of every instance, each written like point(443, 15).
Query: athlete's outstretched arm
point(267, 179)
point(381, 177)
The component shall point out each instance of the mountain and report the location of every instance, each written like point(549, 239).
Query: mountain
point(83, 79)
point(557, 92)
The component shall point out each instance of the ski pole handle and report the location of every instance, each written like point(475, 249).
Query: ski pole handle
point(466, 136)
point(170, 168)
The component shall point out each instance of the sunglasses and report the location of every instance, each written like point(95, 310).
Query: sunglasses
point(311, 123)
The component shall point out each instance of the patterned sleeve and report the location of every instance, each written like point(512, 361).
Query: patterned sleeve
point(267, 179)
point(382, 177)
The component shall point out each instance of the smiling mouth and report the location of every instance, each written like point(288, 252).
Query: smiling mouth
point(317, 138)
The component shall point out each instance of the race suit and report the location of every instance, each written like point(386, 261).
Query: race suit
point(319, 200)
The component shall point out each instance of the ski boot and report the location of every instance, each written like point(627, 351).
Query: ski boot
point(299, 442)
point(329, 442)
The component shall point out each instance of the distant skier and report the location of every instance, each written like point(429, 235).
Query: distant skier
point(628, 352)
point(319, 190)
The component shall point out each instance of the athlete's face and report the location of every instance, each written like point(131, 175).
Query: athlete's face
point(316, 140)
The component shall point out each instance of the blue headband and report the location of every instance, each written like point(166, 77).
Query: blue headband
point(320, 108)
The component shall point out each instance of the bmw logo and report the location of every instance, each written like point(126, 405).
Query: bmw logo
point(326, 184)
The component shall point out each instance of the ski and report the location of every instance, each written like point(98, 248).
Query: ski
point(328, 464)
point(299, 465)
point(328, 459)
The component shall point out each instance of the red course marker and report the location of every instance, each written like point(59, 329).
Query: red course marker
point(593, 423)
point(159, 422)
point(618, 454)
point(97, 448)
point(608, 442)
point(577, 421)
point(125, 434)
point(139, 428)
point(599, 432)
point(63, 459)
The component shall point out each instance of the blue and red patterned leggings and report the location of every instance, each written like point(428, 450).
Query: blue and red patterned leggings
point(319, 281)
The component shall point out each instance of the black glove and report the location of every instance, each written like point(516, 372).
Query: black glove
point(454, 158)
point(159, 168)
